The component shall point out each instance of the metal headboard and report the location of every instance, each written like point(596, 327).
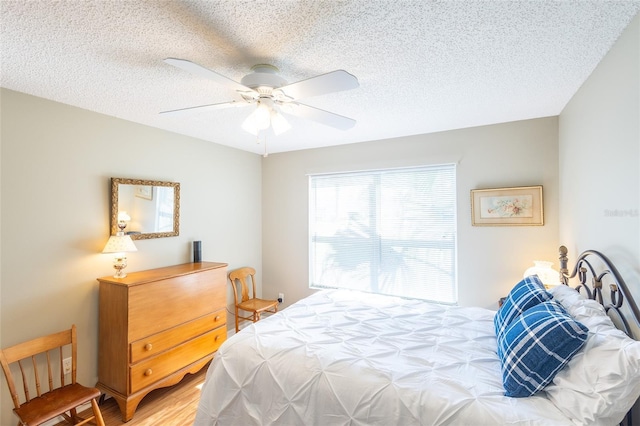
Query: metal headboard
point(596, 267)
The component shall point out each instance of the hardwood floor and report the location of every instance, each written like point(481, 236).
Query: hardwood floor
point(174, 406)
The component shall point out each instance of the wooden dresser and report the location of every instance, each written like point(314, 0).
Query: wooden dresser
point(156, 326)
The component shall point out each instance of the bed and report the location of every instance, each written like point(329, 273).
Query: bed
point(347, 358)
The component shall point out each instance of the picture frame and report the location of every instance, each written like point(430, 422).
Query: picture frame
point(516, 206)
point(144, 191)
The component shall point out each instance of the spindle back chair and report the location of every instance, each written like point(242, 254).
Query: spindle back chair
point(248, 300)
point(55, 395)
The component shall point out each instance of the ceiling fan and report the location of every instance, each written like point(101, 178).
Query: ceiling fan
point(270, 94)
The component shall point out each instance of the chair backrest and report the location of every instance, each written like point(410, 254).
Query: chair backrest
point(32, 357)
point(241, 275)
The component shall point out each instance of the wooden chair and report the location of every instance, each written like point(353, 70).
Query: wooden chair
point(249, 303)
point(31, 358)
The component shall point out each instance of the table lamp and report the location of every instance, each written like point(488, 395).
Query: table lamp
point(119, 244)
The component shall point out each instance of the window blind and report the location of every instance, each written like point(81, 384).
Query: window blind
point(387, 231)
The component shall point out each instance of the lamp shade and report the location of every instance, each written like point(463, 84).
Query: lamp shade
point(119, 243)
point(545, 272)
point(262, 115)
point(279, 123)
point(249, 124)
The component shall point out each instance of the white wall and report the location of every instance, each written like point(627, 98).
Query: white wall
point(599, 154)
point(491, 259)
point(55, 169)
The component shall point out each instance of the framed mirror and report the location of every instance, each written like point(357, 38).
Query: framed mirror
point(145, 209)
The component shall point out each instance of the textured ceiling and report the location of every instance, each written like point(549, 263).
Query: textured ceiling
point(423, 66)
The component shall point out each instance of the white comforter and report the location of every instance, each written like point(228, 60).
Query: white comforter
point(348, 358)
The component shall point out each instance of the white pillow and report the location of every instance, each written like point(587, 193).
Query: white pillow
point(602, 381)
point(566, 295)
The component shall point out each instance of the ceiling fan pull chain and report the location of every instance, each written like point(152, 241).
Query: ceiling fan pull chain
point(264, 138)
point(266, 154)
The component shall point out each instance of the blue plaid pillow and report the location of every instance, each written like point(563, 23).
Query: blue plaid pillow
point(536, 346)
point(524, 295)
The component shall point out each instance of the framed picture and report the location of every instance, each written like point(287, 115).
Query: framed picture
point(144, 191)
point(507, 206)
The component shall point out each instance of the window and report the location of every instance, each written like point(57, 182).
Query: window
point(385, 231)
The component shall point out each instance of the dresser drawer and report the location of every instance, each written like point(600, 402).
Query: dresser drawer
point(160, 342)
point(160, 305)
point(153, 369)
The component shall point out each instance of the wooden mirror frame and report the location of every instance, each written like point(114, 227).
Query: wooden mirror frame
point(143, 236)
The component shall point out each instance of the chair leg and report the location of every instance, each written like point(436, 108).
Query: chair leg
point(96, 412)
point(74, 415)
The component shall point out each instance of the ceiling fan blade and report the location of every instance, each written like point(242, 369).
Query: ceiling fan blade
point(201, 71)
point(334, 81)
point(321, 116)
point(232, 104)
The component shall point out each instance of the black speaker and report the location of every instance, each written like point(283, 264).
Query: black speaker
point(197, 251)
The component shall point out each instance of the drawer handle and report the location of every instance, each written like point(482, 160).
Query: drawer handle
point(215, 339)
point(217, 318)
point(148, 372)
point(148, 347)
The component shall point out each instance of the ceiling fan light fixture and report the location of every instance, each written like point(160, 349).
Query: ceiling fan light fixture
point(262, 115)
point(259, 119)
point(279, 123)
point(249, 125)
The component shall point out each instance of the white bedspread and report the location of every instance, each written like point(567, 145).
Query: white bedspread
point(347, 358)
